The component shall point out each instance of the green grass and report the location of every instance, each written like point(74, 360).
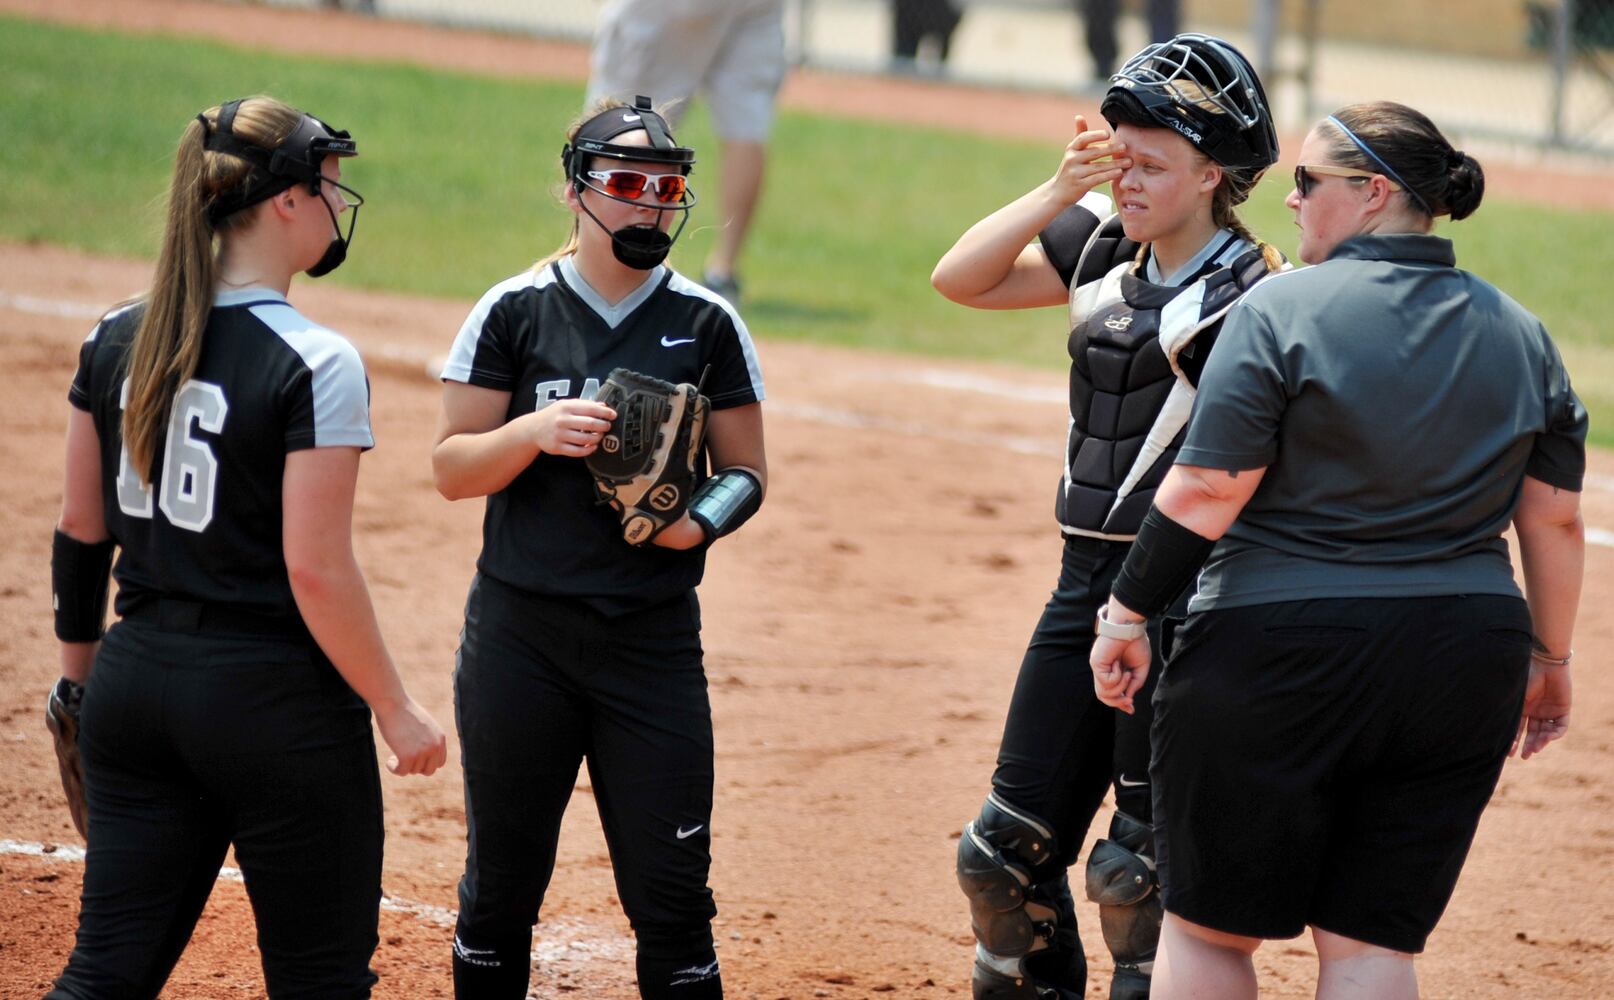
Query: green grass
point(460, 172)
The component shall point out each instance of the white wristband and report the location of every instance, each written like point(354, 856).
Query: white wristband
point(1127, 631)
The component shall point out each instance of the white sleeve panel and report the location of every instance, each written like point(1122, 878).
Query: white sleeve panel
point(683, 286)
point(1098, 203)
point(341, 392)
point(462, 355)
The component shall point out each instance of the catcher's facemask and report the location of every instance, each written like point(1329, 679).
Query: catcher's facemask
point(639, 247)
point(1205, 90)
point(295, 161)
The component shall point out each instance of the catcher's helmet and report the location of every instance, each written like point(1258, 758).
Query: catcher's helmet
point(1205, 90)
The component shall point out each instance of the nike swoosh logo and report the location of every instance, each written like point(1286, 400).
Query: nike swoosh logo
point(1124, 783)
point(674, 343)
point(684, 834)
point(630, 118)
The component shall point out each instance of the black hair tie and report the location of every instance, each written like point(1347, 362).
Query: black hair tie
point(1454, 159)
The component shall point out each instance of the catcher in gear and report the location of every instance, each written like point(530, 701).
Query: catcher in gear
point(647, 460)
point(571, 383)
point(1147, 278)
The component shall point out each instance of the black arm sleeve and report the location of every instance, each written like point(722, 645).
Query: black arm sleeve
point(1163, 560)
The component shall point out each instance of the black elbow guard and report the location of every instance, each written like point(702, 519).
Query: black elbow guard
point(1163, 560)
point(725, 501)
point(79, 577)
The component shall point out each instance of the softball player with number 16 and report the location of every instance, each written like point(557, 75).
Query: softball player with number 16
point(215, 439)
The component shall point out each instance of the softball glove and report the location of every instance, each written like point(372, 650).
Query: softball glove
point(647, 462)
point(61, 718)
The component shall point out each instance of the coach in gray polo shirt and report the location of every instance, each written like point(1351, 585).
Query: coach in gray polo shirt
point(1358, 658)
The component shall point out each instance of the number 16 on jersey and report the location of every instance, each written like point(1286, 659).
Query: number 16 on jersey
point(189, 467)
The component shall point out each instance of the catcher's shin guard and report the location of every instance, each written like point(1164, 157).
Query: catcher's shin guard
point(1025, 930)
point(1121, 879)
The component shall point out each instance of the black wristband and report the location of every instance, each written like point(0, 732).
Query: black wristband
point(1162, 561)
point(79, 576)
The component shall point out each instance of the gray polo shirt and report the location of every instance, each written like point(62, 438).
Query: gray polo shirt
point(1397, 403)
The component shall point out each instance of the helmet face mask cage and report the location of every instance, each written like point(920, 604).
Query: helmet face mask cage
point(1166, 65)
point(295, 161)
point(594, 140)
point(1204, 89)
point(636, 246)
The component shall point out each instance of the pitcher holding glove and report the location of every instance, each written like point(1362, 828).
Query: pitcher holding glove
point(582, 630)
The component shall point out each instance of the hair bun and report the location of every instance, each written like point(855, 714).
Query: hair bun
point(1455, 158)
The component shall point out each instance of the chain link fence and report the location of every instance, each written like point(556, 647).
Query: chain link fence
point(1530, 73)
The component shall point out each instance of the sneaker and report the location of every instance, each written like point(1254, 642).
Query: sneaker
point(726, 285)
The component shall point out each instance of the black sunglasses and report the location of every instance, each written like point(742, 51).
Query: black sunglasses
point(1304, 179)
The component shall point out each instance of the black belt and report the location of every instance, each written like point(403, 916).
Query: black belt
point(173, 615)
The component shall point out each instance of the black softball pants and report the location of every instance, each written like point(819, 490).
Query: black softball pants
point(542, 685)
point(193, 742)
point(1062, 748)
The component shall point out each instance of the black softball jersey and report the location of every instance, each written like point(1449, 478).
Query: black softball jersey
point(545, 335)
point(207, 527)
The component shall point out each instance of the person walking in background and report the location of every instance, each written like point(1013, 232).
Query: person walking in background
point(215, 439)
point(1099, 20)
point(1358, 661)
point(1147, 283)
point(733, 52)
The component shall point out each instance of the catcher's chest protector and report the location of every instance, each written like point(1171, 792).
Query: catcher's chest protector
point(1129, 342)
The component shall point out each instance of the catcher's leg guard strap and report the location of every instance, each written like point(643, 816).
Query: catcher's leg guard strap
point(1121, 879)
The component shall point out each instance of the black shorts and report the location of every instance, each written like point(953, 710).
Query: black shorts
point(1326, 762)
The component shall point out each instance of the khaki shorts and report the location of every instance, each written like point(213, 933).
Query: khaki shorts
point(732, 51)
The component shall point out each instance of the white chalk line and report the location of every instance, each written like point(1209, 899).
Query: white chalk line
point(51, 307)
point(417, 361)
point(564, 939)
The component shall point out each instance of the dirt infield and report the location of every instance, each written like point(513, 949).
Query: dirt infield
point(862, 637)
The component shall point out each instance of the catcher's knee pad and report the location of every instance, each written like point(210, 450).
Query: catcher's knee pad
point(1026, 930)
point(1122, 880)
